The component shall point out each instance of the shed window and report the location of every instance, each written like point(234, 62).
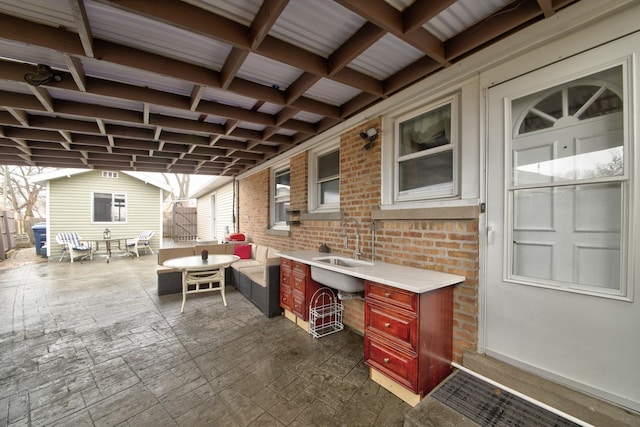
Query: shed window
point(109, 207)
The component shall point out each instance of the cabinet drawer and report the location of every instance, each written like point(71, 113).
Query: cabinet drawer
point(299, 267)
point(393, 325)
point(390, 295)
point(285, 263)
point(299, 307)
point(286, 299)
point(299, 284)
point(397, 365)
point(285, 279)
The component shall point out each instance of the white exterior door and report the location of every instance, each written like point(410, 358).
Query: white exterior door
point(560, 295)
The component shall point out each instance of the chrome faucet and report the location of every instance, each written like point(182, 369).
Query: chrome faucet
point(356, 253)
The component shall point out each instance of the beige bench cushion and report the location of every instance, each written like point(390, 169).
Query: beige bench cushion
point(261, 254)
point(169, 253)
point(243, 263)
point(215, 249)
point(256, 274)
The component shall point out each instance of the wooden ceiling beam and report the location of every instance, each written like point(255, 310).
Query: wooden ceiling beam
point(300, 86)
point(82, 25)
point(264, 20)
point(196, 96)
point(23, 31)
point(33, 134)
point(495, 25)
point(62, 124)
point(238, 36)
point(420, 12)
point(410, 74)
point(231, 66)
point(19, 115)
point(385, 16)
point(77, 71)
point(121, 55)
point(177, 123)
point(360, 41)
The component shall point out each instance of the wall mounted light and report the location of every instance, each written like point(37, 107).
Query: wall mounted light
point(370, 136)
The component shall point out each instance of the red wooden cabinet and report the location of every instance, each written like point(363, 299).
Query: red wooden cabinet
point(296, 287)
point(408, 336)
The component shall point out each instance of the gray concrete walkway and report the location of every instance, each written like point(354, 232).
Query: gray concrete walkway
point(92, 344)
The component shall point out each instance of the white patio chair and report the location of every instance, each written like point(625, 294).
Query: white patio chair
point(73, 244)
point(196, 281)
point(142, 241)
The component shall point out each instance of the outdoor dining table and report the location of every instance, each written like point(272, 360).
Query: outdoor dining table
point(121, 242)
point(199, 274)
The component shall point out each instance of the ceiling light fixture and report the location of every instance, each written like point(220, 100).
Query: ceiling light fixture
point(43, 75)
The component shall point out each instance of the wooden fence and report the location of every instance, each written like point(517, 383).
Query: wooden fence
point(185, 223)
point(7, 233)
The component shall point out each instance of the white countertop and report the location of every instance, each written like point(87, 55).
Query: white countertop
point(408, 278)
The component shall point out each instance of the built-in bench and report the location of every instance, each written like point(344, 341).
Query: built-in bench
point(257, 277)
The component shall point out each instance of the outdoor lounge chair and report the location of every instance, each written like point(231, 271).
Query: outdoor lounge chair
point(75, 246)
point(142, 241)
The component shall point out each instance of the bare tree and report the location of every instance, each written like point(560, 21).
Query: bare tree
point(613, 168)
point(20, 194)
point(181, 183)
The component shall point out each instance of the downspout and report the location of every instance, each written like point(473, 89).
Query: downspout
point(236, 208)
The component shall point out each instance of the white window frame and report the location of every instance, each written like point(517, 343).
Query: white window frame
point(275, 171)
point(113, 194)
point(314, 204)
point(448, 192)
point(625, 290)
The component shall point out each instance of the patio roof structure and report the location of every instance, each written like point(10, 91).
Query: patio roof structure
point(217, 87)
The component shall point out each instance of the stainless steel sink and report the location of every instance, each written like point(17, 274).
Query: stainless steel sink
point(333, 279)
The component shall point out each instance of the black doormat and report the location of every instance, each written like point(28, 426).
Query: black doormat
point(488, 405)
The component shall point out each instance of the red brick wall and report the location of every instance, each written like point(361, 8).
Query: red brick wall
point(253, 206)
point(444, 245)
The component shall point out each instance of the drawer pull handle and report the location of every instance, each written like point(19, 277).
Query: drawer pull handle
point(387, 294)
point(386, 360)
point(387, 325)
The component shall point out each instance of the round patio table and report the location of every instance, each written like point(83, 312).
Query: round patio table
point(120, 241)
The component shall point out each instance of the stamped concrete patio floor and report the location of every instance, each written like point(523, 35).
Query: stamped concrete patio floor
point(92, 344)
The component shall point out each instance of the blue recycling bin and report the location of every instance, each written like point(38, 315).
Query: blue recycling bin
point(39, 235)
